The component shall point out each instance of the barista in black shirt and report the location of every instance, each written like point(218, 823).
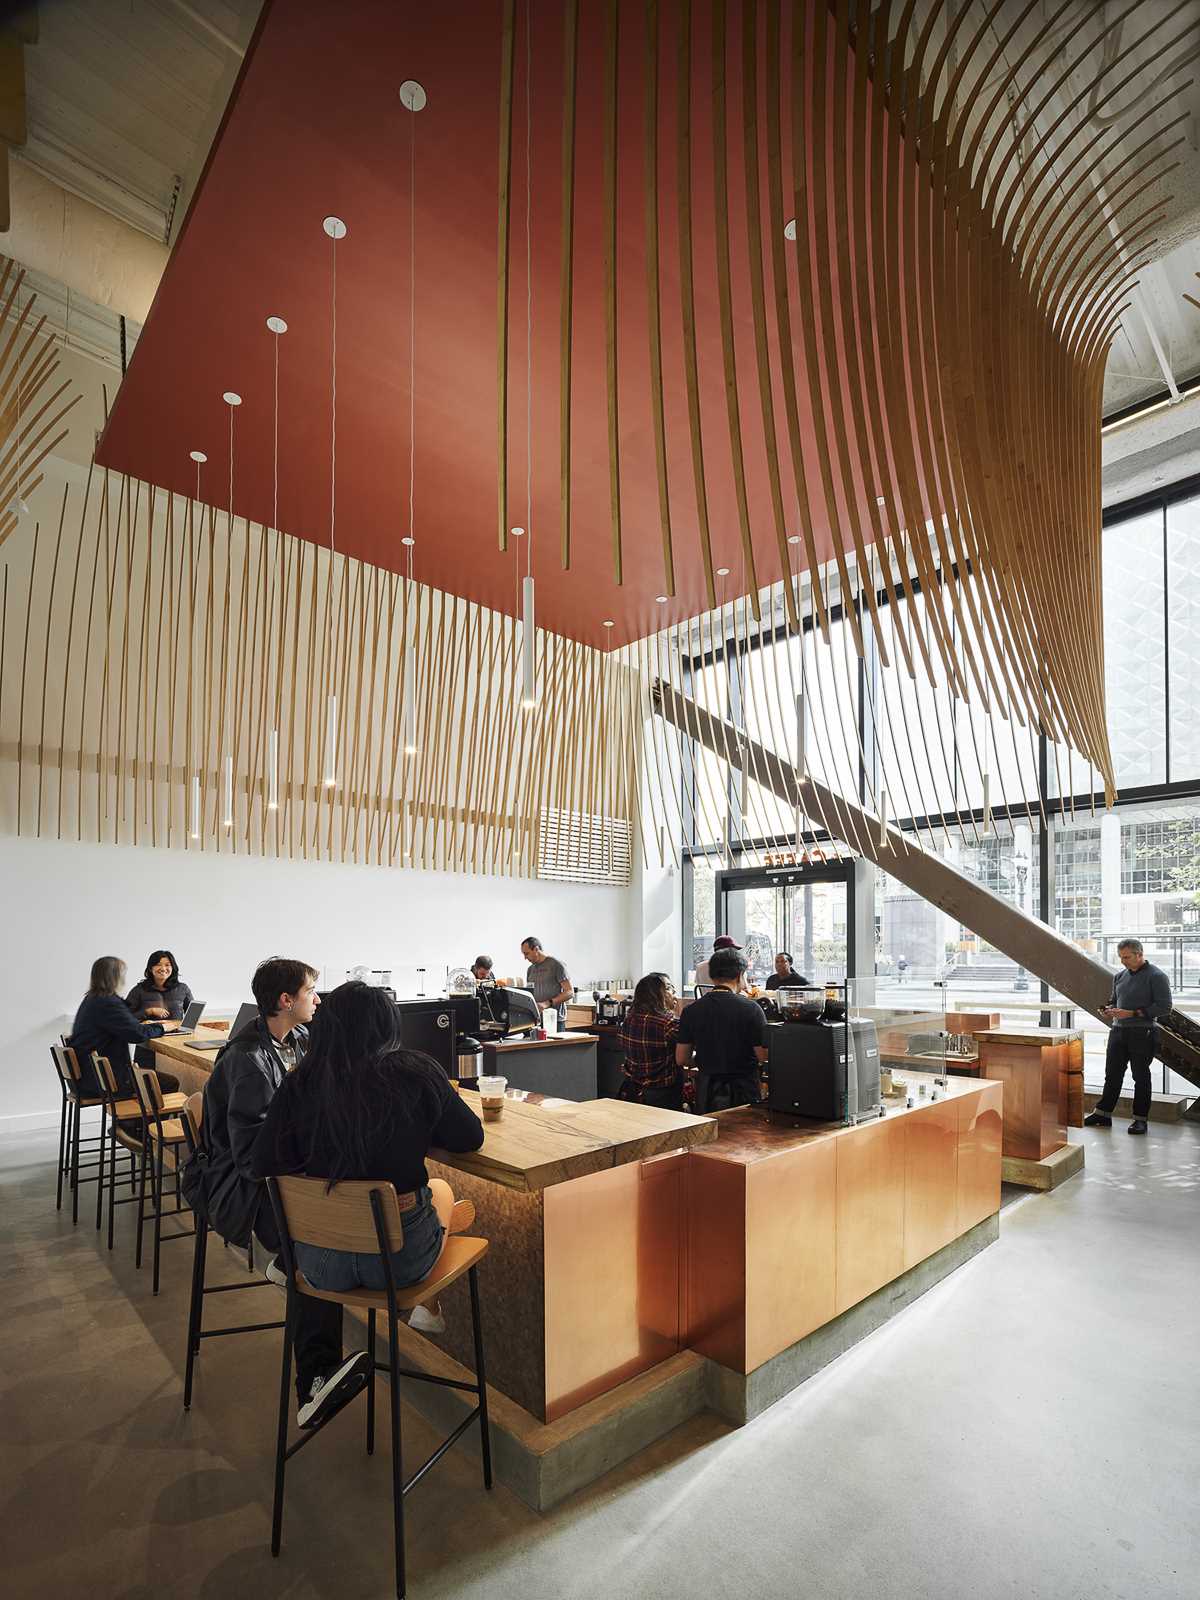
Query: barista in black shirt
point(726, 1033)
point(785, 975)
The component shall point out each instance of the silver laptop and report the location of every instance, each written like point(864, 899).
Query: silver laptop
point(190, 1018)
point(246, 1013)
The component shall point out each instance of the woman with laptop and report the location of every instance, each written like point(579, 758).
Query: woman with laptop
point(161, 994)
point(105, 1025)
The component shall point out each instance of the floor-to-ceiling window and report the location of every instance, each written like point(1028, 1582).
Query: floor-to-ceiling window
point(1052, 848)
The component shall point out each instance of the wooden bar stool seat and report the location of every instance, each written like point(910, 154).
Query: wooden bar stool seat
point(365, 1217)
point(459, 1256)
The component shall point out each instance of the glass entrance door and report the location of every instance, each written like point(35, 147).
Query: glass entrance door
point(805, 912)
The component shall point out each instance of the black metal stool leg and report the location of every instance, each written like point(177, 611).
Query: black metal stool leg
point(485, 1435)
point(371, 1382)
point(196, 1309)
point(112, 1179)
point(285, 1385)
point(397, 1461)
point(137, 1255)
point(62, 1149)
point(100, 1148)
point(75, 1165)
point(158, 1211)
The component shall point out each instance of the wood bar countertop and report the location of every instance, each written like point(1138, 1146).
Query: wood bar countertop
point(530, 1148)
point(1030, 1036)
point(520, 1042)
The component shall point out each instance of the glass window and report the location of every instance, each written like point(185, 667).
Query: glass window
point(1183, 588)
point(1135, 648)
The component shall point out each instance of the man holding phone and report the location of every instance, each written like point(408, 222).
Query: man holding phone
point(1140, 995)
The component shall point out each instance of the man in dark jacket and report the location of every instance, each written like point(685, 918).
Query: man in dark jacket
point(1140, 995)
point(244, 1079)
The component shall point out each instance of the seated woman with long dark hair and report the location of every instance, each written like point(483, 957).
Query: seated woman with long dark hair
point(360, 1106)
point(647, 1037)
point(106, 1025)
point(161, 995)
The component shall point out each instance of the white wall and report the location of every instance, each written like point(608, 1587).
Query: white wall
point(64, 904)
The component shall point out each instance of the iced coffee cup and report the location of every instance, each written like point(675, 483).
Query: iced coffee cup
point(491, 1095)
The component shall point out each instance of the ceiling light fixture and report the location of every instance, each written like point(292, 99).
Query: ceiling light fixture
point(335, 229)
point(722, 572)
point(233, 401)
point(794, 538)
point(275, 326)
point(789, 229)
point(660, 599)
point(412, 98)
point(528, 625)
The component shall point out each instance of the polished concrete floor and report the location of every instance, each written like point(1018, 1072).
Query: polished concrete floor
point(1027, 1430)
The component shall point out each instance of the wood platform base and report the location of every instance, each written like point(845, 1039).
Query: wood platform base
point(543, 1463)
point(1046, 1174)
point(1163, 1107)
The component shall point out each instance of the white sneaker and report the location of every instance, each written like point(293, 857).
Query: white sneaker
point(425, 1321)
point(329, 1393)
point(275, 1274)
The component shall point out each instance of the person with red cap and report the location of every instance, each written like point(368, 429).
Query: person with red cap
point(721, 942)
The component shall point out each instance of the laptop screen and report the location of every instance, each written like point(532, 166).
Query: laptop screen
point(246, 1014)
point(193, 1014)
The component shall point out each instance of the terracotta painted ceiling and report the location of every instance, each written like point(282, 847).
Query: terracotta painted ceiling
point(316, 128)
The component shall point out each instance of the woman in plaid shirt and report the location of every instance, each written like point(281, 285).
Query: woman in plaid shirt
point(647, 1037)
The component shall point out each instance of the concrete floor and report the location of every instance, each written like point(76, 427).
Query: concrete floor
point(1028, 1430)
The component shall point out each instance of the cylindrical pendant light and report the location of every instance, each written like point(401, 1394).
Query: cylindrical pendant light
point(227, 789)
point(194, 829)
point(273, 770)
point(408, 670)
point(528, 672)
point(331, 742)
point(277, 326)
point(336, 229)
point(413, 99)
point(883, 816)
point(987, 804)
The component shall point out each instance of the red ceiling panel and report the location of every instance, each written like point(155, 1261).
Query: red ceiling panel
point(316, 128)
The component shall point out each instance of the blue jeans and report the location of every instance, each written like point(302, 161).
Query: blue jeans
point(345, 1269)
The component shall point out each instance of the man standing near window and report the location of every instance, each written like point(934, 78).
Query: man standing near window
point(546, 977)
point(1140, 995)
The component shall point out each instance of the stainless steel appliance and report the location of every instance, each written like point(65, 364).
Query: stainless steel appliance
point(504, 1010)
point(445, 1029)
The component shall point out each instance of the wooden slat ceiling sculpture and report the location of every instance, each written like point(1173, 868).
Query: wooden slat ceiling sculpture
point(836, 377)
point(959, 277)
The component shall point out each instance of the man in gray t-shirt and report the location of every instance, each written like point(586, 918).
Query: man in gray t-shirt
point(546, 977)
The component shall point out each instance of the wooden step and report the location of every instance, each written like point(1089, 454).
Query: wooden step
point(1163, 1107)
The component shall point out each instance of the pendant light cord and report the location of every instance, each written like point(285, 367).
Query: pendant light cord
point(529, 287)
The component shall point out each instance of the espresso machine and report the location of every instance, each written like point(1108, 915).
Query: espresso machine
point(820, 1065)
point(446, 1029)
point(504, 1011)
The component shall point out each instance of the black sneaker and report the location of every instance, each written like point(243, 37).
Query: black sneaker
point(1138, 1125)
point(1097, 1119)
point(330, 1391)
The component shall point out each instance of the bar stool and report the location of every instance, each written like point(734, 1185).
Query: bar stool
point(163, 1132)
point(364, 1217)
point(194, 1114)
point(118, 1117)
point(71, 1144)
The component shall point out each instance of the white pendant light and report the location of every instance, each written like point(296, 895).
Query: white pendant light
point(194, 828)
point(331, 741)
point(529, 690)
point(233, 400)
point(335, 229)
point(883, 816)
point(987, 805)
point(413, 99)
point(276, 326)
point(528, 673)
point(273, 770)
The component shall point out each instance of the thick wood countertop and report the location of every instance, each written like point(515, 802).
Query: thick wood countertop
point(745, 1135)
point(519, 1042)
point(531, 1148)
point(177, 1049)
point(1029, 1036)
